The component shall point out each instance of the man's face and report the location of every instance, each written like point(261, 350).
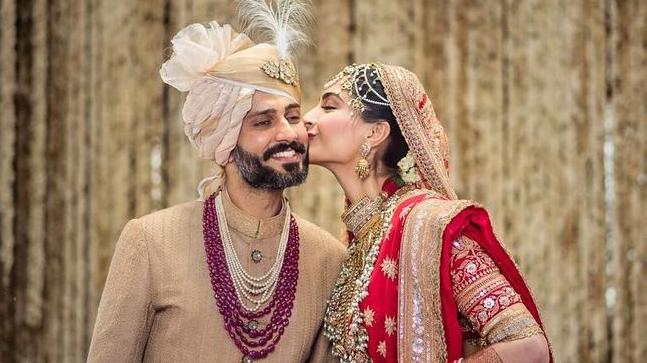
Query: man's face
point(272, 146)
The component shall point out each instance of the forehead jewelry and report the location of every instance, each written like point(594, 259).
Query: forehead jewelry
point(359, 82)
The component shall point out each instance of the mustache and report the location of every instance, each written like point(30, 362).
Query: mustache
point(298, 147)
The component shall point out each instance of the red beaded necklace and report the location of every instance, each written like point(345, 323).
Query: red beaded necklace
point(253, 341)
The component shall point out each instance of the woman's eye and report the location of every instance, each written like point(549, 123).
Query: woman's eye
point(328, 108)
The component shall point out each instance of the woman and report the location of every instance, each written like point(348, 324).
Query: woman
point(426, 279)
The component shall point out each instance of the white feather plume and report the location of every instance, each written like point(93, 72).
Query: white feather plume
point(281, 23)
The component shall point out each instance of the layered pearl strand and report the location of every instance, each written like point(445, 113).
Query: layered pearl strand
point(248, 287)
point(254, 340)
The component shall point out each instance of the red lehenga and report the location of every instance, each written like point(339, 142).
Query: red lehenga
point(442, 280)
point(433, 283)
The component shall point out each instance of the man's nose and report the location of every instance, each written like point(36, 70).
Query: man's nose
point(286, 131)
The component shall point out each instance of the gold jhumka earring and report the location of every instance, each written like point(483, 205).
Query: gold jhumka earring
point(363, 167)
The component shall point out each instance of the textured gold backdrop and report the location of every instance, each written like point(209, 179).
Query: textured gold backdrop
point(544, 102)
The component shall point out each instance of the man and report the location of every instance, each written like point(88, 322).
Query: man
point(233, 277)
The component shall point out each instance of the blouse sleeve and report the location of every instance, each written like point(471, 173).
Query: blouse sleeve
point(485, 298)
point(125, 313)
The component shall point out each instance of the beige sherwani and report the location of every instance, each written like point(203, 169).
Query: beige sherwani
point(158, 304)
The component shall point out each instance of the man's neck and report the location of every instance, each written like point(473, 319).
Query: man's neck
point(259, 203)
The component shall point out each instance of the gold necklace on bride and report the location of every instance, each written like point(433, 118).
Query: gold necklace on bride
point(369, 220)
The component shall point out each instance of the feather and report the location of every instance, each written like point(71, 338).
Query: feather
point(281, 23)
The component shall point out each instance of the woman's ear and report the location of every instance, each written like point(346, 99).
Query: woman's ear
point(380, 132)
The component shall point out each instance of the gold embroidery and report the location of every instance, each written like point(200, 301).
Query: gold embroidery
point(368, 315)
point(468, 263)
point(479, 288)
point(381, 348)
point(419, 125)
point(492, 305)
point(390, 268)
point(422, 336)
point(511, 324)
point(389, 325)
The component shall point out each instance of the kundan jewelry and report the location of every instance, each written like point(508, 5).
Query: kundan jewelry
point(363, 167)
point(357, 216)
point(343, 320)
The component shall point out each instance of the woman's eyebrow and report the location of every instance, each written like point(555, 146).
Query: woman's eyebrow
point(329, 94)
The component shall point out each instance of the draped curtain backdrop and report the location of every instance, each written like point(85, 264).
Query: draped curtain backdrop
point(545, 103)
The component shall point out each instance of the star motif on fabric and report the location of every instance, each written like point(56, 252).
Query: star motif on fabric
point(389, 268)
point(381, 348)
point(369, 316)
point(389, 325)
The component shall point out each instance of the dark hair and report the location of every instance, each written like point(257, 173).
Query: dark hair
point(397, 147)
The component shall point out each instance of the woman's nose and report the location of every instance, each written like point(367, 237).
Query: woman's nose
point(309, 120)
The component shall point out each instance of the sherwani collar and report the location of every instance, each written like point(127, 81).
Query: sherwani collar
point(250, 226)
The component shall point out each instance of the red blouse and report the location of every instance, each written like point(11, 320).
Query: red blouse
point(481, 292)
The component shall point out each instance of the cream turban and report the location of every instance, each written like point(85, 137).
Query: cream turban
point(221, 69)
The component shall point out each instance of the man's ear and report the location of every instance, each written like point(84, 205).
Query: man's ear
point(380, 132)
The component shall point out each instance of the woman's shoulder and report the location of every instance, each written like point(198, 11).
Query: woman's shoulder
point(427, 204)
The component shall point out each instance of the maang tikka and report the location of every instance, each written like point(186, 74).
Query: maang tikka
point(363, 167)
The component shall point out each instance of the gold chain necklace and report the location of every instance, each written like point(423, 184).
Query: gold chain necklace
point(343, 319)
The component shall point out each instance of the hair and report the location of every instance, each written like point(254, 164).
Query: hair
point(397, 147)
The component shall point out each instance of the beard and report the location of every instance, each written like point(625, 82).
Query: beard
point(261, 176)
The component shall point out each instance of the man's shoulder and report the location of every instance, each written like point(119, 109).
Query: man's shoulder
point(180, 215)
point(318, 237)
point(174, 211)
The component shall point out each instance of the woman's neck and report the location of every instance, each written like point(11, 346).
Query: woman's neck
point(354, 188)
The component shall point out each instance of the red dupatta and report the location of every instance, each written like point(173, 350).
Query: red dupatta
point(380, 307)
point(428, 313)
point(474, 222)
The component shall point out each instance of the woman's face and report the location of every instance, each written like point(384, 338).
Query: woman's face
point(335, 133)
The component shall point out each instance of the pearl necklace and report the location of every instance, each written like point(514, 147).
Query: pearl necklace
point(257, 290)
point(252, 339)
